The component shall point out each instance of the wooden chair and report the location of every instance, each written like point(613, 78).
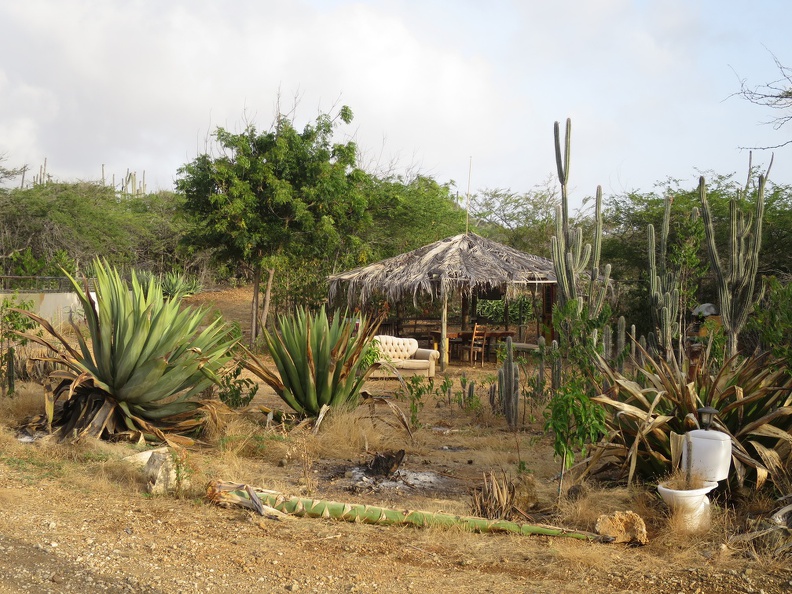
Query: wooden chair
point(478, 344)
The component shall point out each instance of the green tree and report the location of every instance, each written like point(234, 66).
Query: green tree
point(68, 222)
point(405, 214)
point(273, 194)
point(523, 221)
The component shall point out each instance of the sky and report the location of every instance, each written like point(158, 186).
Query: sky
point(463, 91)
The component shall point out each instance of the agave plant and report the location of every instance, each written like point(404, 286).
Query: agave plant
point(146, 361)
point(178, 285)
point(754, 399)
point(320, 362)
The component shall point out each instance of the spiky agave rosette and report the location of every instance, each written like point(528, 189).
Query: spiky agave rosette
point(147, 360)
point(319, 361)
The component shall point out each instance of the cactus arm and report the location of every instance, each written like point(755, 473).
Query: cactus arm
point(598, 230)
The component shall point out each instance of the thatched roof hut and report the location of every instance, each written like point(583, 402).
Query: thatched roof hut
point(464, 263)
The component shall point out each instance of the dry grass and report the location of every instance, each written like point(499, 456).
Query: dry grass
point(678, 480)
point(593, 501)
point(348, 433)
point(239, 448)
point(28, 400)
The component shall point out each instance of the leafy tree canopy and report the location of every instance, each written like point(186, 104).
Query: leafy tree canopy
point(405, 214)
point(523, 221)
point(275, 194)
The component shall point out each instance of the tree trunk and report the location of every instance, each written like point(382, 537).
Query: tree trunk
point(10, 371)
point(267, 297)
point(254, 330)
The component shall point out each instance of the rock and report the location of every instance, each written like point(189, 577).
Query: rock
point(623, 527)
point(141, 458)
point(163, 475)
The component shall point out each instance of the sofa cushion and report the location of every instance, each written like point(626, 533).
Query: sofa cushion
point(393, 348)
point(411, 364)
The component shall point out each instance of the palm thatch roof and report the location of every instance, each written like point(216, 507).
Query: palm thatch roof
point(464, 263)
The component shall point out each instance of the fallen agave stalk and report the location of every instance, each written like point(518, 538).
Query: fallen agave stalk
point(256, 499)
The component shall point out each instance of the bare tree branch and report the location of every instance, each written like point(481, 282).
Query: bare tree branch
point(776, 94)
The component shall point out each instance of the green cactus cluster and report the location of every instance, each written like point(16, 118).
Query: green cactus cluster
point(663, 288)
point(509, 386)
point(571, 255)
point(736, 278)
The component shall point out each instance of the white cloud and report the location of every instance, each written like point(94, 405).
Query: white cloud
point(140, 84)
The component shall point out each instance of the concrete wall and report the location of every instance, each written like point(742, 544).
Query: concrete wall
point(55, 307)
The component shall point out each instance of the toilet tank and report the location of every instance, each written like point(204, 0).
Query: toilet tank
point(711, 457)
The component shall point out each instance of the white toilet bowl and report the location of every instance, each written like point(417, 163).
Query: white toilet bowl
point(692, 505)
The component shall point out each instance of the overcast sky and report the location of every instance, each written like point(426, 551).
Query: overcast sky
point(433, 85)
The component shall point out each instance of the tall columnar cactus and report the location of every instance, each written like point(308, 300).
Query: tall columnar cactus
point(736, 279)
point(607, 343)
point(663, 288)
point(570, 255)
point(471, 393)
point(621, 332)
point(509, 386)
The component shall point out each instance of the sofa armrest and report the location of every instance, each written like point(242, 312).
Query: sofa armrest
point(427, 354)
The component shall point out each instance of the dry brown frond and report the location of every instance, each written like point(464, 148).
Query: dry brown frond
point(495, 498)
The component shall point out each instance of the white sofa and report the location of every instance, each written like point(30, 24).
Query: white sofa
point(404, 355)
